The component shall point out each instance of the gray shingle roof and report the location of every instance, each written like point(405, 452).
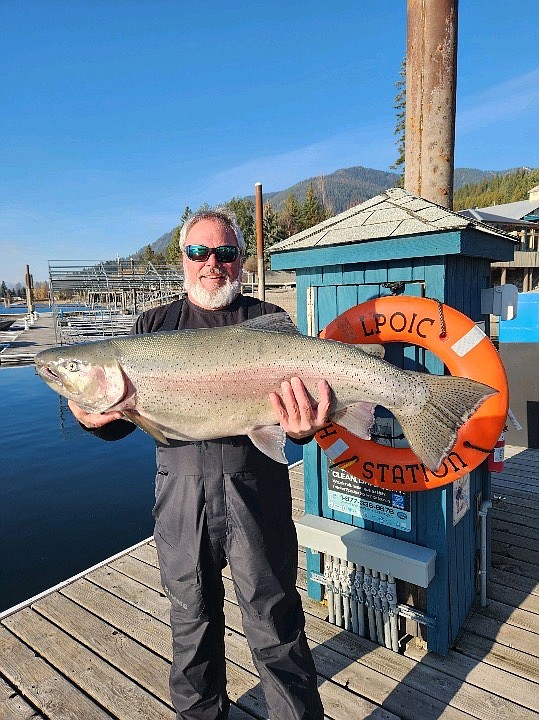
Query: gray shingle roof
point(393, 213)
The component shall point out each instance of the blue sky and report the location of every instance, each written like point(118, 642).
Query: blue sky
point(116, 114)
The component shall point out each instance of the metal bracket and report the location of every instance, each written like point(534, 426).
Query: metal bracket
point(413, 614)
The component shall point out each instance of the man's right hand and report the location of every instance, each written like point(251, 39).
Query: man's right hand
point(93, 420)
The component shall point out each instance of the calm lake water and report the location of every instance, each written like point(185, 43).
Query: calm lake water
point(67, 499)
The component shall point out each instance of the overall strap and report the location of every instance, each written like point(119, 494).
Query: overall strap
point(172, 315)
point(254, 310)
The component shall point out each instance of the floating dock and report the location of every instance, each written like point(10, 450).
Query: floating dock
point(99, 646)
point(20, 344)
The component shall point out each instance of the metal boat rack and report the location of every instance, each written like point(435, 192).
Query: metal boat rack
point(110, 295)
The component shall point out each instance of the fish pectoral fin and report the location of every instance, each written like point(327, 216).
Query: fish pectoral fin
point(146, 425)
point(270, 439)
point(273, 322)
point(357, 418)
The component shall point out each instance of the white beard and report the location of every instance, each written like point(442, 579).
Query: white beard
point(218, 298)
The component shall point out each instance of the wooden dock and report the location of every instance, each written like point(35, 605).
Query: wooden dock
point(19, 346)
point(99, 647)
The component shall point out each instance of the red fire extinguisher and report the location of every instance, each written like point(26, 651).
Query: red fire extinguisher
point(496, 456)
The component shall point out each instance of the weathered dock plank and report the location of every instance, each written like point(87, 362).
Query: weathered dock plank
point(42, 685)
point(119, 695)
point(13, 706)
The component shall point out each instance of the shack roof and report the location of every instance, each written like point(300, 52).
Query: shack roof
point(393, 213)
point(495, 219)
point(516, 210)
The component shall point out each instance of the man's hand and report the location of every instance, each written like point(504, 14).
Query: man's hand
point(93, 420)
point(297, 415)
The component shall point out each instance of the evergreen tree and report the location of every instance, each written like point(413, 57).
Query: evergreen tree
point(400, 127)
point(172, 252)
point(244, 210)
point(312, 211)
point(3, 289)
point(149, 255)
point(291, 216)
point(272, 228)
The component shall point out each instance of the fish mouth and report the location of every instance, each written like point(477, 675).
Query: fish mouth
point(47, 373)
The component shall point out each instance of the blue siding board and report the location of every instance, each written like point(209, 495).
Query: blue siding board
point(346, 298)
point(486, 245)
point(433, 509)
point(399, 270)
point(376, 273)
point(313, 505)
point(332, 275)
point(353, 274)
point(455, 547)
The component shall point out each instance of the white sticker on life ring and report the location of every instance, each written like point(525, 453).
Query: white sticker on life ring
point(338, 448)
point(467, 342)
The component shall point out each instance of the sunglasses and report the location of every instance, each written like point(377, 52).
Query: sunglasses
point(223, 253)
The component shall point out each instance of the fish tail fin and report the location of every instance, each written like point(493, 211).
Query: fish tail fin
point(432, 432)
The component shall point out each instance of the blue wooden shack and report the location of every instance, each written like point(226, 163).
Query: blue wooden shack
point(391, 244)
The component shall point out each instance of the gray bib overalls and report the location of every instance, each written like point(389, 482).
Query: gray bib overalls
point(219, 502)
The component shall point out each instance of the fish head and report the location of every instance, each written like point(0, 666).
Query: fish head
point(84, 373)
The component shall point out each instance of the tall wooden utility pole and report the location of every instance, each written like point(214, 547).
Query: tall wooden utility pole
point(431, 81)
point(260, 241)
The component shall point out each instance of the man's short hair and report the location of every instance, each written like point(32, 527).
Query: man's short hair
point(221, 215)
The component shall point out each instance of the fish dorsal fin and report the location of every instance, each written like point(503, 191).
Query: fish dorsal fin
point(273, 322)
point(270, 439)
point(358, 419)
point(376, 350)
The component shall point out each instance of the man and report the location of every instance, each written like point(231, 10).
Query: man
point(223, 501)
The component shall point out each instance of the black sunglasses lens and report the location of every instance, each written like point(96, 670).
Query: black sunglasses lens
point(226, 253)
point(200, 253)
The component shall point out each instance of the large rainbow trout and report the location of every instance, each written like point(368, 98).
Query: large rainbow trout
point(204, 384)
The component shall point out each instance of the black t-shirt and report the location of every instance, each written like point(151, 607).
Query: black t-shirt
point(193, 317)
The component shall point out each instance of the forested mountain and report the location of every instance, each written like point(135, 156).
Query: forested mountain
point(340, 190)
point(507, 187)
point(347, 187)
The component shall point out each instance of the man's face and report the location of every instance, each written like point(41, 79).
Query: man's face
point(210, 276)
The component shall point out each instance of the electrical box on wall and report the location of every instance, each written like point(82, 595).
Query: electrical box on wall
point(501, 300)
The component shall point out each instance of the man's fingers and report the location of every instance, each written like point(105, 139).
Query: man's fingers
point(324, 404)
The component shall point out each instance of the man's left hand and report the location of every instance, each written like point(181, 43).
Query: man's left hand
point(297, 414)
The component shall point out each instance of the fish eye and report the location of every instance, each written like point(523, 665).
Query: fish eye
point(72, 366)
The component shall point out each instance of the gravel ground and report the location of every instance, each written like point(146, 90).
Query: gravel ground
point(285, 298)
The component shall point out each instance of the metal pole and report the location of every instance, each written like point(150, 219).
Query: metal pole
point(29, 295)
point(260, 242)
point(431, 80)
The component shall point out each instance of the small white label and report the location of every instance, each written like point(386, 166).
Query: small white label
point(499, 453)
point(338, 448)
point(467, 342)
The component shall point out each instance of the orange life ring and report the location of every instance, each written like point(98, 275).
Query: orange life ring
point(466, 352)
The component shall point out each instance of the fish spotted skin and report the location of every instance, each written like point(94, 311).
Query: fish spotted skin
point(212, 383)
